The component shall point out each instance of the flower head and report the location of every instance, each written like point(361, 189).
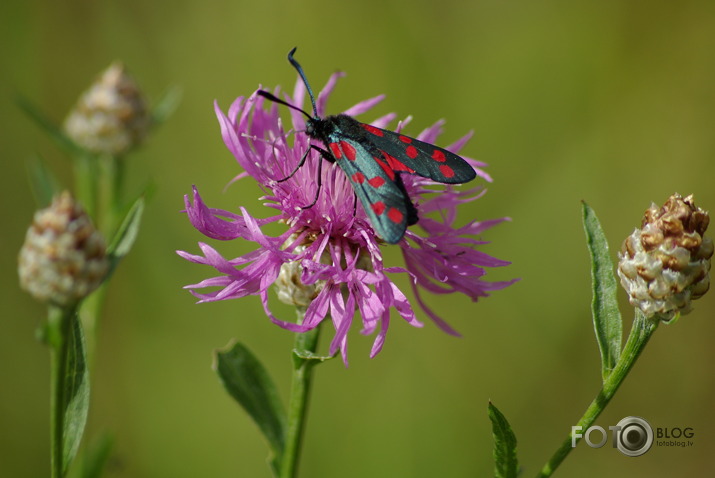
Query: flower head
point(111, 117)
point(331, 249)
point(63, 258)
point(665, 264)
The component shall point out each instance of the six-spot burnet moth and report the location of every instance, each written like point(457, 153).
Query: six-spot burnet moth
point(373, 160)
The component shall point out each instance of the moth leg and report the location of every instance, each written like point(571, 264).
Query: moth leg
point(300, 165)
point(324, 153)
point(328, 157)
point(320, 183)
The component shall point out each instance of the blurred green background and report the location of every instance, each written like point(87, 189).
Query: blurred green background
point(612, 102)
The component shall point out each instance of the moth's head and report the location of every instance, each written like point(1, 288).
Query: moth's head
point(318, 128)
point(310, 127)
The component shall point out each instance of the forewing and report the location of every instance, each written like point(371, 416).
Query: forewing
point(377, 186)
point(408, 155)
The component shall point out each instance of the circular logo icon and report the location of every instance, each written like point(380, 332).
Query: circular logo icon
point(634, 437)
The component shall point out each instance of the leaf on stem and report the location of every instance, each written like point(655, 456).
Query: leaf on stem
point(49, 127)
point(43, 183)
point(505, 463)
point(307, 355)
point(75, 403)
point(248, 382)
point(125, 236)
point(166, 105)
point(606, 316)
point(94, 458)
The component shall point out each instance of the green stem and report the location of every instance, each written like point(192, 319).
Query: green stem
point(298, 405)
point(110, 179)
point(641, 332)
point(85, 176)
point(89, 313)
point(60, 323)
point(99, 184)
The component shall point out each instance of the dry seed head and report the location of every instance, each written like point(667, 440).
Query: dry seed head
point(289, 286)
point(111, 117)
point(63, 258)
point(665, 264)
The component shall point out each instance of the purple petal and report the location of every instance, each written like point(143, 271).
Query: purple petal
point(364, 106)
point(380, 339)
point(327, 90)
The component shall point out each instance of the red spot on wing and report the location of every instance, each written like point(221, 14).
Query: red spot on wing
point(372, 129)
point(385, 167)
point(411, 152)
point(378, 207)
point(335, 149)
point(405, 139)
point(358, 177)
point(376, 182)
point(439, 156)
point(395, 215)
point(396, 164)
point(349, 150)
point(446, 171)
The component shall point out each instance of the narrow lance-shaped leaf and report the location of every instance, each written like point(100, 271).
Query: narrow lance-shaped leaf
point(125, 236)
point(248, 382)
point(44, 184)
point(76, 395)
point(506, 464)
point(166, 105)
point(94, 458)
point(606, 316)
point(49, 126)
point(306, 355)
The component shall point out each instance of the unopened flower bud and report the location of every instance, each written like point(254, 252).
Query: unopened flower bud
point(665, 264)
point(63, 258)
point(289, 286)
point(111, 117)
point(291, 289)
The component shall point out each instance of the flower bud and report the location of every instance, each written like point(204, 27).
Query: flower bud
point(63, 258)
point(665, 264)
point(111, 117)
point(290, 288)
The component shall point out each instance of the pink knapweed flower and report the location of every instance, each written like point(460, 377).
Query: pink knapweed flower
point(331, 248)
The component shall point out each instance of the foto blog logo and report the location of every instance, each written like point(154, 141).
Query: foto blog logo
point(633, 436)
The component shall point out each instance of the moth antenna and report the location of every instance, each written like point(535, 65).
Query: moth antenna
point(297, 66)
point(275, 99)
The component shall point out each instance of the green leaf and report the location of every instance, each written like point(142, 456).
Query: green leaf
point(125, 236)
point(76, 392)
point(604, 307)
point(506, 464)
point(308, 355)
point(42, 181)
point(94, 458)
point(166, 105)
point(249, 384)
point(49, 127)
